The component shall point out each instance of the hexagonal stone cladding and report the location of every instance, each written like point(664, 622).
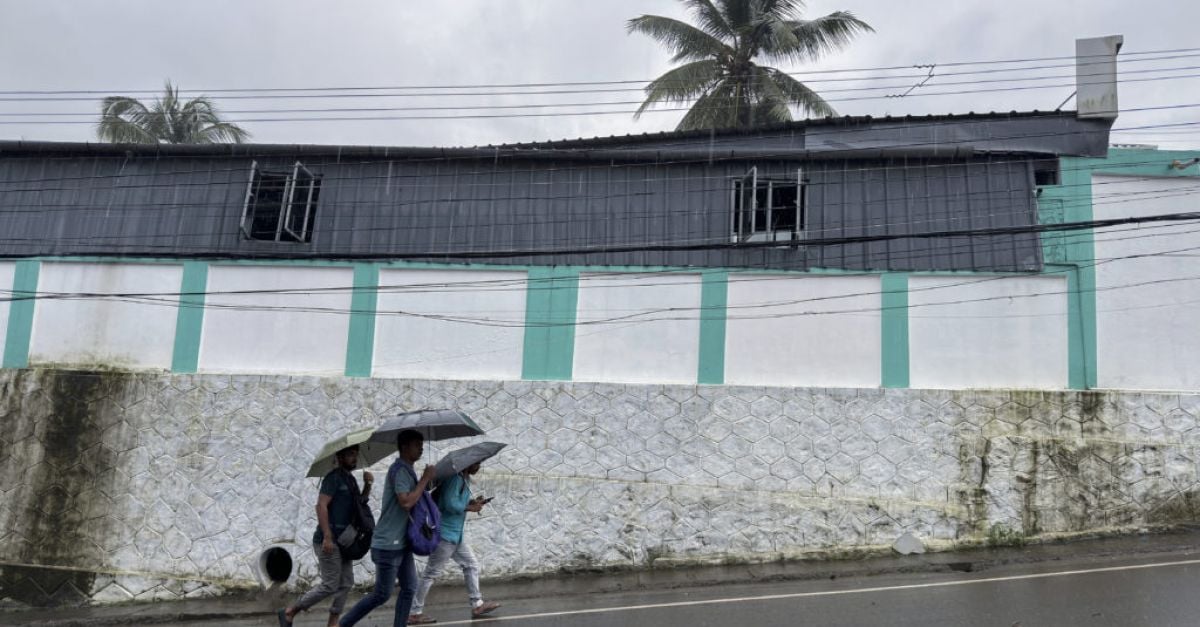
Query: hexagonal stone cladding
point(123, 486)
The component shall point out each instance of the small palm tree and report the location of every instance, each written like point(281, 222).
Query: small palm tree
point(167, 120)
point(720, 73)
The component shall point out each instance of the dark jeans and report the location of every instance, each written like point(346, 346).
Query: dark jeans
point(389, 565)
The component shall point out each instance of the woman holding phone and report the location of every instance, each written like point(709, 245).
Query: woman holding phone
point(454, 500)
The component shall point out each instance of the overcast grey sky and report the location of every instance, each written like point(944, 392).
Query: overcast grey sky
point(118, 45)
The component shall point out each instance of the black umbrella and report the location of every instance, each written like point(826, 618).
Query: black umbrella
point(434, 424)
point(459, 460)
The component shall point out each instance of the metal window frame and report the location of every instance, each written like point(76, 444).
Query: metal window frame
point(286, 216)
point(766, 234)
point(287, 203)
point(247, 213)
point(738, 193)
point(289, 187)
point(801, 205)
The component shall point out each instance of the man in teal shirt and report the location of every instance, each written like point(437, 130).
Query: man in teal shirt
point(454, 501)
point(389, 548)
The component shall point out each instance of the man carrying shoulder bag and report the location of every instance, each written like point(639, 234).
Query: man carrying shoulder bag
point(344, 526)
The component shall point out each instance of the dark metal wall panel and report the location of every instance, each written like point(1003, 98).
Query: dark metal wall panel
point(192, 205)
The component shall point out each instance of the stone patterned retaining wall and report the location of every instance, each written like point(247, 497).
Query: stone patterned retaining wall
point(120, 486)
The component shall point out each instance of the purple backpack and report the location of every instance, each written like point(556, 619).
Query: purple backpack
point(424, 522)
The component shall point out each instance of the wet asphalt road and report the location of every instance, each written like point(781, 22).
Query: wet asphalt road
point(1162, 592)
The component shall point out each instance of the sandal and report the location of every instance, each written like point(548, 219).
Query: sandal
point(483, 609)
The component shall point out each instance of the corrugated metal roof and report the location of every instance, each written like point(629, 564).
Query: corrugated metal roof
point(794, 125)
point(539, 148)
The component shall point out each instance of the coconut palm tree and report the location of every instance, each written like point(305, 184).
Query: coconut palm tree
point(720, 53)
point(167, 120)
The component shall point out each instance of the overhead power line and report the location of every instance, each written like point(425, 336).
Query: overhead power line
point(422, 222)
point(541, 105)
point(808, 243)
point(381, 118)
point(87, 243)
point(643, 316)
point(1125, 57)
point(610, 278)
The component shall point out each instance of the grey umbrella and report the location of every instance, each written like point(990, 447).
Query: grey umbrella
point(459, 460)
point(434, 424)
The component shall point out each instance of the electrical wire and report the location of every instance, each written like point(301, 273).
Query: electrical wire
point(91, 114)
point(557, 114)
point(527, 283)
point(875, 310)
point(1126, 57)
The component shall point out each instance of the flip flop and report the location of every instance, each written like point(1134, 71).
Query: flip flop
point(484, 609)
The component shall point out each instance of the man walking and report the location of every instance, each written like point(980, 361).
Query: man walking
point(389, 549)
point(335, 511)
point(454, 501)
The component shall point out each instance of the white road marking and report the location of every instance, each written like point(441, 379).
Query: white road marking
point(826, 593)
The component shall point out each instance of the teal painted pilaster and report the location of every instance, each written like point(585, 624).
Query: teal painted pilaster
point(1081, 330)
point(360, 345)
point(189, 323)
point(20, 315)
point(1073, 254)
point(894, 330)
point(714, 299)
point(551, 300)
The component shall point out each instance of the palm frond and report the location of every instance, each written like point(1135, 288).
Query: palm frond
point(771, 103)
point(168, 119)
point(809, 40)
point(799, 95)
point(223, 133)
point(738, 13)
point(686, 41)
point(682, 84)
point(710, 19)
point(715, 109)
point(123, 120)
point(778, 9)
point(118, 131)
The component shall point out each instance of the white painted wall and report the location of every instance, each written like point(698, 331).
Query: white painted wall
point(1148, 334)
point(1011, 332)
point(7, 271)
point(778, 334)
point(652, 346)
point(427, 348)
point(272, 340)
point(96, 331)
